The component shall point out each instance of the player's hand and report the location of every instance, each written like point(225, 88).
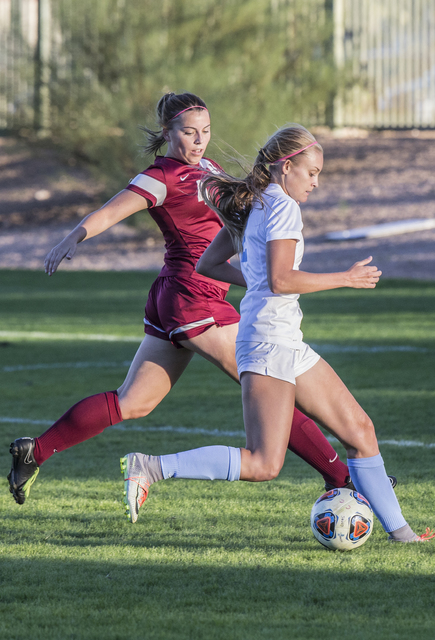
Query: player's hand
point(65, 249)
point(362, 276)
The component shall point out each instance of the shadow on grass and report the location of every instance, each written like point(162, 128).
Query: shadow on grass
point(144, 598)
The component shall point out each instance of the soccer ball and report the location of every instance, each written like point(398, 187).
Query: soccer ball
point(341, 519)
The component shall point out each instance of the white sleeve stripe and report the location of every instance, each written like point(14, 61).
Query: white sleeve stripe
point(192, 325)
point(153, 186)
point(206, 164)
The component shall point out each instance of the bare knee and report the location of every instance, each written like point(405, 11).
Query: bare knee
point(131, 413)
point(362, 441)
point(132, 407)
point(268, 472)
point(259, 470)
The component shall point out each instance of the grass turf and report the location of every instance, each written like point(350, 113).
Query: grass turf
point(205, 560)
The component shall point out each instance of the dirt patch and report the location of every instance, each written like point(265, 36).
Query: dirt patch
point(40, 186)
point(367, 179)
point(371, 180)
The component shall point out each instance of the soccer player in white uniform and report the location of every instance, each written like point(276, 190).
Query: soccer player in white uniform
point(263, 221)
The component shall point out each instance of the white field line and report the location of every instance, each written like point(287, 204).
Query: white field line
point(24, 421)
point(335, 348)
point(90, 365)
point(46, 335)
point(205, 432)
point(101, 337)
point(64, 365)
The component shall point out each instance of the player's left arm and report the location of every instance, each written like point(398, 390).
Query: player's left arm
point(284, 279)
point(214, 261)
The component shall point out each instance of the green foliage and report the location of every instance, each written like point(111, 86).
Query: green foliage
point(205, 560)
point(258, 64)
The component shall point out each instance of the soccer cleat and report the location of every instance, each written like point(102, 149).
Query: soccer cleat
point(349, 484)
point(24, 468)
point(136, 485)
point(428, 535)
point(393, 481)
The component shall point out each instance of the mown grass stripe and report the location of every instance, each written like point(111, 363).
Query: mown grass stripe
point(207, 432)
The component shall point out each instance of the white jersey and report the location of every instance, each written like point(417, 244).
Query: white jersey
point(266, 316)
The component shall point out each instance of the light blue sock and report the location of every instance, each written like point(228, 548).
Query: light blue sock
point(207, 463)
point(369, 477)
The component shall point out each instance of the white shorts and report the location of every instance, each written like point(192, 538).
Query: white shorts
point(275, 360)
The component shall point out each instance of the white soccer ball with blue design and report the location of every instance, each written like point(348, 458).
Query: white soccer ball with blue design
point(342, 519)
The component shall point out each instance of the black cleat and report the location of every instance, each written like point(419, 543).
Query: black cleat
point(24, 468)
point(349, 484)
point(393, 481)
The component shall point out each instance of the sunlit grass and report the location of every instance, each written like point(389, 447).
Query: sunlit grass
point(205, 559)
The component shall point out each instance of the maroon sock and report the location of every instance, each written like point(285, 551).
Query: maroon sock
point(309, 443)
point(84, 420)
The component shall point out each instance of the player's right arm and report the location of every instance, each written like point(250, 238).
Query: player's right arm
point(121, 206)
point(214, 261)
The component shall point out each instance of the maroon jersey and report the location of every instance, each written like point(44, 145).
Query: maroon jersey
point(187, 224)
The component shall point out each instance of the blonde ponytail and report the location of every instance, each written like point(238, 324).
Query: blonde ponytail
point(232, 198)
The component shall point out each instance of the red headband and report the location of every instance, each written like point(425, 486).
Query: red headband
point(295, 153)
point(196, 106)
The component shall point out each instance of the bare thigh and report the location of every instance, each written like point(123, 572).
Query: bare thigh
point(158, 365)
point(268, 405)
point(323, 395)
point(155, 369)
point(218, 345)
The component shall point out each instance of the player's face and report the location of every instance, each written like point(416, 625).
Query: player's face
point(189, 136)
point(299, 179)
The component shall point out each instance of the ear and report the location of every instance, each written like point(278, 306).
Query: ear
point(287, 166)
point(165, 133)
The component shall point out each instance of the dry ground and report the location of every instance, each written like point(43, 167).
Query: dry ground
point(367, 179)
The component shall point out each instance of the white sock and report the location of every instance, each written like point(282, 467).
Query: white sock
point(207, 463)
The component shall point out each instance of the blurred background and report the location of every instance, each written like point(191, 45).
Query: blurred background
point(78, 77)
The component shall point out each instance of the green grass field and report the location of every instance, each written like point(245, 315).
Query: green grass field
point(205, 560)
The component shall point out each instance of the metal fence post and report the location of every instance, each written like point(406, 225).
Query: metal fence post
point(338, 16)
point(42, 69)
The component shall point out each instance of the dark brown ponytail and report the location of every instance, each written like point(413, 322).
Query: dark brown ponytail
point(168, 108)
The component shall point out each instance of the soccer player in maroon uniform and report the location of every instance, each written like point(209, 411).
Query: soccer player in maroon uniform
point(186, 313)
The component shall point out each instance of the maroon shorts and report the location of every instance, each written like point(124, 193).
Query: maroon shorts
point(182, 308)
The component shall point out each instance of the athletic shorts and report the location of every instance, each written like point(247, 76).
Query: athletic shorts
point(182, 308)
point(275, 360)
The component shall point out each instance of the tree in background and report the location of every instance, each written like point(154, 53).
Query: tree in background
point(256, 63)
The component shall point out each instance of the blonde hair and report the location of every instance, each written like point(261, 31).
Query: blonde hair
point(168, 109)
point(232, 198)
